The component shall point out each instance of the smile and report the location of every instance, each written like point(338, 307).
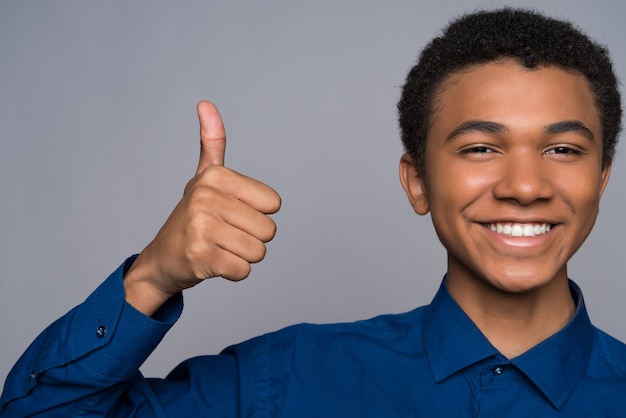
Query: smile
point(519, 230)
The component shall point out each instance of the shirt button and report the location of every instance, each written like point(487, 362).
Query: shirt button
point(497, 371)
point(32, 375)
point(101, 331)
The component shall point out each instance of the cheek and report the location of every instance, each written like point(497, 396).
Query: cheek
point(459, 186)
point(581, 186)
point(586, 205)
point(476, 180)
point(582, 195)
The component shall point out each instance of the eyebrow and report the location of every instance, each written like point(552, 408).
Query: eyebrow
point(477, 126)
point(570, 126)
point(498, 128)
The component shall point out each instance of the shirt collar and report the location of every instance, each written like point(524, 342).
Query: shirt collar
point(452, 340)
point(555, 365)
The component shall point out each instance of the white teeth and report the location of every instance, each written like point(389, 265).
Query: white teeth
point(519, 230)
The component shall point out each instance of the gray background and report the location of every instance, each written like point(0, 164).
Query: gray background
point(98, 136)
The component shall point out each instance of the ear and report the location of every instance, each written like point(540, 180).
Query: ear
point(606, 171)
point(413, 184)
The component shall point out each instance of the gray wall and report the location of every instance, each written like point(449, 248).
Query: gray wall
point(98, 135)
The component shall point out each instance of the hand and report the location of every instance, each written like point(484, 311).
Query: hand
point(219, 227)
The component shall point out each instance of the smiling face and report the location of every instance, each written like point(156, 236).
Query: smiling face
point(513, 174)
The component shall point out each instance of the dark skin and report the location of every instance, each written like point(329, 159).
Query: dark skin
point(513, 181)
point(219, 227)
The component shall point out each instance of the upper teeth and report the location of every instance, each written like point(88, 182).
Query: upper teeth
point(519, 230)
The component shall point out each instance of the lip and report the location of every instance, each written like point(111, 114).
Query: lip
point(518, 220)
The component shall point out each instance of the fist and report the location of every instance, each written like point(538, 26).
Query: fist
point(219, 227)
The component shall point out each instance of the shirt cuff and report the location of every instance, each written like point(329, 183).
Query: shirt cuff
point(122, 336)
point(104, 337)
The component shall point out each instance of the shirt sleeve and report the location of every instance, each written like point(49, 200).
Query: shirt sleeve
point(87, 362)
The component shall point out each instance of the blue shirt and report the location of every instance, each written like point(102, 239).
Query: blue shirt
point(430, 362)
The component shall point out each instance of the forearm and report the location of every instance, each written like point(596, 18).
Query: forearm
point(86, 359)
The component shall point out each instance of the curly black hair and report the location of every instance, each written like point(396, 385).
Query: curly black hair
point(528, 37)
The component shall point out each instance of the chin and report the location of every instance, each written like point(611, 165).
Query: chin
point(520, 284)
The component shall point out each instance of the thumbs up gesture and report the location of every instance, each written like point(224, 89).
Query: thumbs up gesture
point(219, 227)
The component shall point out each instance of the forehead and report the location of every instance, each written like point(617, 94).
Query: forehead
point(508, 93)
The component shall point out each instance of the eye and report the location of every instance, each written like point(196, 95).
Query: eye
point(478, 149)
point(563, 150)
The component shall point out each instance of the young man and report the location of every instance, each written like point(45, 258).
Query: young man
point(510, 122)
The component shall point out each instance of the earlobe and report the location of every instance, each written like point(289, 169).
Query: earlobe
point(413, 185)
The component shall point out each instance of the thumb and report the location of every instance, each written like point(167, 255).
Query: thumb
point(212, 136)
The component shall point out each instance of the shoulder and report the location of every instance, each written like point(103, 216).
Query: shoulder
point(309, 361)
point(610, 349)
point(303, 337)
point(378, 327)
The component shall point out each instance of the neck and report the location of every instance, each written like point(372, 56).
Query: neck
point(514, 322)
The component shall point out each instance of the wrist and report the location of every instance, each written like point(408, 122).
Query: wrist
point(141, 290)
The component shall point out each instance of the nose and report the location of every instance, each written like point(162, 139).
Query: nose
point(524, 179)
